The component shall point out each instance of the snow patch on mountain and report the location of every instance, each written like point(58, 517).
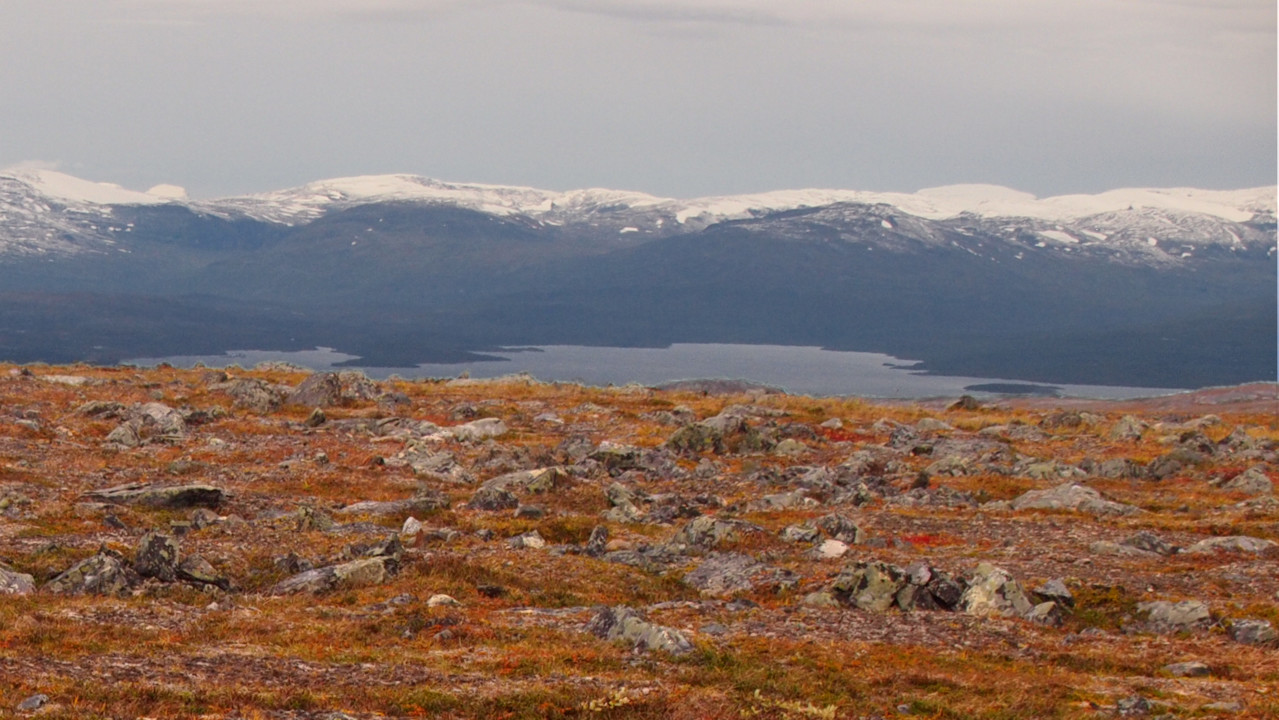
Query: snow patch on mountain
point(69, 189)
point(44, 211)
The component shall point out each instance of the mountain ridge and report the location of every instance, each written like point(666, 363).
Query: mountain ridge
point(361, 266)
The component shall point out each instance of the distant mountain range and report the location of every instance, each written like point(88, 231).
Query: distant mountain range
point(1155, 287)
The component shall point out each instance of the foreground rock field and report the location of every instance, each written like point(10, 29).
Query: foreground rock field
point(271, 544)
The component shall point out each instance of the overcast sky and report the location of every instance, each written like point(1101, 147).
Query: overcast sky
point(673, 97)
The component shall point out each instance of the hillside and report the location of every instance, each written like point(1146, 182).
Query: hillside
point(271, 544)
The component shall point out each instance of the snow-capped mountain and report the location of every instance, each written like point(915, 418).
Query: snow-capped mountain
point(49, 213)
point(1154, 287)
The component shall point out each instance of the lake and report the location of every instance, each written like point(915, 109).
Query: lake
point(797, 370)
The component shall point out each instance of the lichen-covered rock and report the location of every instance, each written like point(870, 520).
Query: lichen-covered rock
point(253, 394)
point(629, 626)
point(1056, 591)
point(728, 432)
point(106, 573)
point(784, 501)
point(1150, 542)
point(841, 527)
point(1190, 668)
point(327, 389)
point(1184, 615)
point(541, 480)
point(478, 430)
point(532, 540)
point(725, 574)
point(124, 435)
point(869, 585)
point(1253, 632)
point(800, 534)
point(1231, 543)
point(197, 570)
point(1252, 481)
point(708, 532)
point(617, 458)
point(160, 496)
point(356, 573)
point(1128, 428)
point(1046, 613)
point(16, 583)
point(422, 503)
point(493, 498)
point(597, 542)
point(993, 591)
point(157, 557)
point(1070, 496)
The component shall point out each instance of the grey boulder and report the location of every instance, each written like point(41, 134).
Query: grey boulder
point(1070, 496)
point(160, 496)
point(629, 626)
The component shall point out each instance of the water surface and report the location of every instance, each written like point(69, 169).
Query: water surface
point(797, 370)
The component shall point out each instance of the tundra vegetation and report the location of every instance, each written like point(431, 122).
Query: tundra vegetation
point(269, 543)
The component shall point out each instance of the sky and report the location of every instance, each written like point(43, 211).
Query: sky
point(681, 98)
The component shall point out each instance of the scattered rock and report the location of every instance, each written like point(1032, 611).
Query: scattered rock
point(1253, 632)
point(105, 573)
point(729, 573)
point(1056, 591)
point(1133, 706)
point(531, 540)
point(1046, 613)
point(841, 527)
point(1170, 616)
point(1192, 668)
point(784, 501)
point(728, 432)
point(933, 425)
point(800, 534)
point(1252, 481)
point(869, 585)
point(195, 569)
point(33, 703)
point(1128, 429)
point(831, 549)
point(1231, 543)
point(493, 498)
point(328, 389)
point(157, 557)
point(424, 502)
point(992, 591)
point(597, 542)
point(708, 532)
point(1070, 496)
point(1150, 542)
point(629, 626)
point(1106, 547)
point(160, 496)
point(482, 429)
point(253, 394)
point(542, 480)
point(356, 573)
point(16, 583)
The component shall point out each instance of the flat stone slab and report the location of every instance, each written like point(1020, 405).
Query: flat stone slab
point(160, 496)
point(356, 573)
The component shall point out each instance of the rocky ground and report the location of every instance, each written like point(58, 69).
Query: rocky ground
point(272, 544)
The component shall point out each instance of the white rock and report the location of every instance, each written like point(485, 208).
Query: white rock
point(832, 549)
